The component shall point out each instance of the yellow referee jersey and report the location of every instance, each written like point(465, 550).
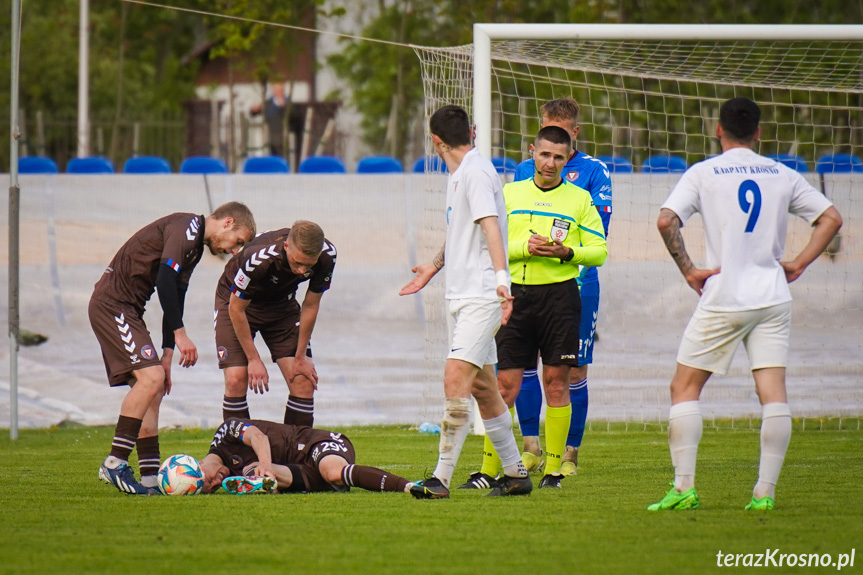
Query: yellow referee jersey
point(565, 213)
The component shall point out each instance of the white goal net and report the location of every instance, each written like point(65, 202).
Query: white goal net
point(647, 98)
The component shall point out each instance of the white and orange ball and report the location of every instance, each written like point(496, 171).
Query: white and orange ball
point(180, 475)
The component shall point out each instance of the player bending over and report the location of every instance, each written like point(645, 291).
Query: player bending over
point(299, 459)
point(257, 293)
point(160, 256)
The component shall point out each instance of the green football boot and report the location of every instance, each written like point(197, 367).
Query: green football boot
point(676, 500)
point(763, 504)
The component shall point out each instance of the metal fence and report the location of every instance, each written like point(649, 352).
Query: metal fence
point(43, 134)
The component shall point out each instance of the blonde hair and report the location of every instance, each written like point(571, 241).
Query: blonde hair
point(242, 215)
point(565, 109)
point(308, 237)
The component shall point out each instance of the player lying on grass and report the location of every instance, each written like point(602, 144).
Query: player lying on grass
point(263, 455)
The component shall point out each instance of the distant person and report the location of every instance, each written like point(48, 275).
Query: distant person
point(477, 294)
point(274, 110)
point(160, 256)
point(257, 293)
point(255, 455)
point(743, 199)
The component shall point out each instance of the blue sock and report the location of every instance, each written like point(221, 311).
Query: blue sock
point(528, 403)
point(578, 398)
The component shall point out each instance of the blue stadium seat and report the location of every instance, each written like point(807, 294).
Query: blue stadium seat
point(37, 165)
point(379, 165)
point(430, 164)
point(793, 162)
point(838, 163)
point(91, 165)
point(266, 165)
point(664, 165)
point(203, 165)
point(617, 164)
point(322, 165)
point(146, 165)
point(504, 165)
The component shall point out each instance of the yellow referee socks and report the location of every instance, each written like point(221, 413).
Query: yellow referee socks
point(490, 459)
point(556, 430)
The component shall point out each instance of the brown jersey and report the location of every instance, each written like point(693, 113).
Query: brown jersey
point(176, 240)
point(297, 446)
point(261, 272)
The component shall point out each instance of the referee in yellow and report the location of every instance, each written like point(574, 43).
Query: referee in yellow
point(553, 228)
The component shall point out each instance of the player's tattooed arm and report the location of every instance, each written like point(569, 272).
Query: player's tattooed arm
point(424, 273)
point(669, 227)
point(438, 260)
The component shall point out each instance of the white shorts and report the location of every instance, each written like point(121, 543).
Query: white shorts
point(712, 337)
point(473, 323)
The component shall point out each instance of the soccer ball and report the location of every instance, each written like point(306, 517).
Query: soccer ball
point(180, 475)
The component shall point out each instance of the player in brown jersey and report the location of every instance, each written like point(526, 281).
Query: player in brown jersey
point(257, 293)
point(160, 256)
point(299, 458)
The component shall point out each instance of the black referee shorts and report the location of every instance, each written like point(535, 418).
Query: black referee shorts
point(545, 319)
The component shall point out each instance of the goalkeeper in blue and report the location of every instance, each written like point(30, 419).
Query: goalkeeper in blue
point(744, 200)
point(592, 175)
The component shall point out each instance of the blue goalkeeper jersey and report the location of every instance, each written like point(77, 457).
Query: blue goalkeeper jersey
point(585, 172)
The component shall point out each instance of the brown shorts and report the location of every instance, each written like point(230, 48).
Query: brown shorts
point(334, 444)
point(124, 339)
point(279, 326)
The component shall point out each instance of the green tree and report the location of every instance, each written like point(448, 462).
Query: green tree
point(382, 79)
point(385, 78)
point(137, 66)
point(259, 43)
point(256, 44)
point(739, 12)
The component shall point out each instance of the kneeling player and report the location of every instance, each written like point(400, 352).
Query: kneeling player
point(300, 459)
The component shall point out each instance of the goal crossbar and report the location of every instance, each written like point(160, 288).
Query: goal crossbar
point(483, 34)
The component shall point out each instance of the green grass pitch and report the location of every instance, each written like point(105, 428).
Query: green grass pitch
point(58, 518)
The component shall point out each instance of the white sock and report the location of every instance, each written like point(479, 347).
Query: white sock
point(453, 431)
point(499, 431)
point(148, 481)
point(684, 433)
point(112, 462)
point(775, 435)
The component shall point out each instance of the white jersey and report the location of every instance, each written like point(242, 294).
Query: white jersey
point(744, 199)
point(473, 192)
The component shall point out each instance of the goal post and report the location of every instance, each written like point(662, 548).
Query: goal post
point(483, 34)
point(655, 90)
